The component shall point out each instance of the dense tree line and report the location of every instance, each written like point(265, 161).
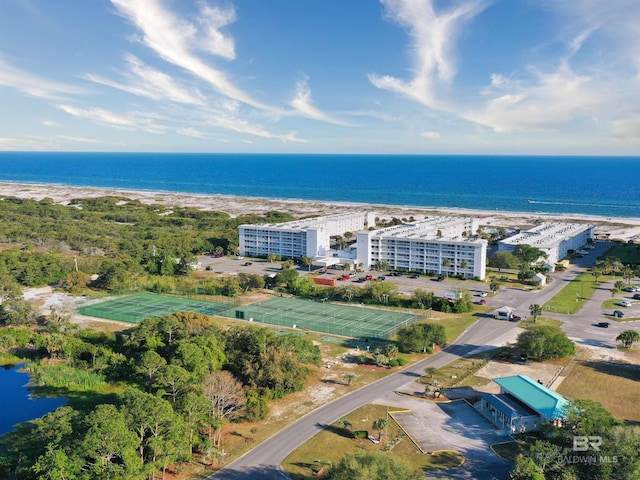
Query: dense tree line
point(162, 393)
point(115, 237)
point(554, 458)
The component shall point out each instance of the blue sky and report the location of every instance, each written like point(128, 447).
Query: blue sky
point(321, 76)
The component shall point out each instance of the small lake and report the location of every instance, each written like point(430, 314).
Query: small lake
point(16, 403)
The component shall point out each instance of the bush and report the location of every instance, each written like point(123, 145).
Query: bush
point(402, 361)
point(394, 363)
point(361, 434)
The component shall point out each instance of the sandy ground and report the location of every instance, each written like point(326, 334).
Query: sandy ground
point(618, 228)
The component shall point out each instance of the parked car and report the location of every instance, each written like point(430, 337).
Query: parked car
point(515, 318)
point(636, 296)
point(415, 276)
point(603, 324)
point(440, 278)
point(624, 303)
point(382, 278)
point(352, 274)
point(368, 277)
point(246, 264)
point(483, 302)
point(618, 314)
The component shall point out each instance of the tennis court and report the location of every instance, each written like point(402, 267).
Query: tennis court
point(324, 317)
point(133, 309)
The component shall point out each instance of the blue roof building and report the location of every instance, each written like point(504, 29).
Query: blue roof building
point(549, 404)
point(522, 405)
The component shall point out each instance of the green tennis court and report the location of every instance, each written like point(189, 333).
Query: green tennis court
point(133, 309)
point(356, 322)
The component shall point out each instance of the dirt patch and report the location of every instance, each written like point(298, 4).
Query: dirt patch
point(538, 371)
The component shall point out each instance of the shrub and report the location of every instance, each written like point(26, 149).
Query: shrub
point(402, 361)
point(361, 434)
point(394, 363)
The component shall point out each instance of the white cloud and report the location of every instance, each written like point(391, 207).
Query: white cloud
point(242, 126)
point(627, 129)
point(430, 135)
point(191, 132)
point(432, 37)
point(303, 104)
point(34, 86)
point(135, 121)
point(49, 123)
point(148, 82)
point(548, 101)
point(214, 41)
point(173, 39)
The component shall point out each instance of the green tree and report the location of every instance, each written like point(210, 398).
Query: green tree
point(525, 468)
point(372, 466)
point(619, 285)
point(174, 381)
point(287, 264)
point(349, 377)
point(544, 342)
point(108, 445)
point(379, 424)
point(528, 254)
point(306, 261)
point(535, 310)
point(494, 284)
point(502, 260)
point(627, 338)
point(55, 464)
point(17, 311)
point(421, 337)
point(596, 272)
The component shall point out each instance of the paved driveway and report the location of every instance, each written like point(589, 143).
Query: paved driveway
point(452, 426)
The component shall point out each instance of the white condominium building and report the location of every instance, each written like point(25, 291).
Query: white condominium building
point(439, 245)
point(310, 236)
point(554, 239)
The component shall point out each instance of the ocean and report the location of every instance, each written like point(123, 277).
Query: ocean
point(585, 185)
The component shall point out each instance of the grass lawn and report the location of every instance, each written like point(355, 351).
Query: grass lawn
point(528, 323)
point(570, 299)
point(613, 384)
point(454, 324)
point(335, 442)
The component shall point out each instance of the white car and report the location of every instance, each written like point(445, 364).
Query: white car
point(624, 303)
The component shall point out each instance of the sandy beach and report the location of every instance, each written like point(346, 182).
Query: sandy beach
point(618, 228)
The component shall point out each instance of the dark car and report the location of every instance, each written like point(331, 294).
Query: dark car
point(246, 264)
point(516, 318)
point(415, 276)
point(603, 324)
point(636, 296)
point(382, 277)
point(440, 278)
point(618, 314)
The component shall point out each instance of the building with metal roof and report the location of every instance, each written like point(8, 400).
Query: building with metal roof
point(442, 245)
point(523, 404)
point(309, 236)
point(554, 239)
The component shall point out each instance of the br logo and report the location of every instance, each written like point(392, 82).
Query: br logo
point(582, 443)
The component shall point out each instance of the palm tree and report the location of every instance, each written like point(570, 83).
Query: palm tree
point(307, 261)
point(535, 310)
point(346, 424)
point(627, 338)
point(619, 285)
point(324, 463)
point(380, 424)
point(494, 285)
point(349, 377)
point(628, 274)
point(614, 292)
point(596, 272)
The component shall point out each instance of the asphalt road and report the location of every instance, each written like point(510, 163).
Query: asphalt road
point(263, 462)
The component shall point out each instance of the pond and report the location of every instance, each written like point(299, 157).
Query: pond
point(16, 403)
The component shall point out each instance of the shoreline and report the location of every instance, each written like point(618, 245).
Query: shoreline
point(618, 228)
